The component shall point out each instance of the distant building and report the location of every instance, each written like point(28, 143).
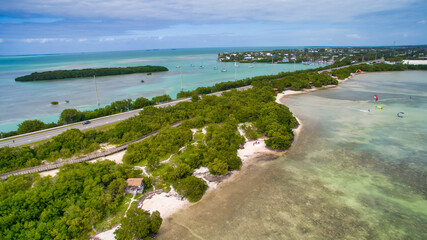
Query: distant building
point(415, 62)
point(135, 185)
point(285, 59)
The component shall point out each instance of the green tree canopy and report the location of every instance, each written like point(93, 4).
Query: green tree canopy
point(138, 224)
point(30, 126)
point(70, 116)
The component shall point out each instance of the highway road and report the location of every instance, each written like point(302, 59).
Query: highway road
point(330, 69)
point(49, 133)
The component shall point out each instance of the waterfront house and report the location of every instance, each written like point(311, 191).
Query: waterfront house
point(135, 185)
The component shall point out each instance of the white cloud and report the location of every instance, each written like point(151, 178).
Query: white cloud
point(160, 37)
point(45, 40)
point(1, 40)
point(197, 11)
point(353, 35)
point(82, 39)
point(422, 22)
point(107, 39)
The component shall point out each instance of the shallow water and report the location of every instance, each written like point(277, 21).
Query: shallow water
point(21, 101)
point(350, 174)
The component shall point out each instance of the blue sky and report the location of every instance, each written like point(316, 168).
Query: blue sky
point(59, 26)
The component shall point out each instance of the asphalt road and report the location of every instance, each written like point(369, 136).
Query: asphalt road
point(330, 69)
point(48, 133)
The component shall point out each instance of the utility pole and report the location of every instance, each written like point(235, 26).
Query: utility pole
point(96, 89)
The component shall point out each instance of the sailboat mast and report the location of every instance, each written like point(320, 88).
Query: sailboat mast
point(272, 65)
point(235, 71)
point(96, 89)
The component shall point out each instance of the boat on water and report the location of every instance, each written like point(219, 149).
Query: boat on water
point(224, 70)
point(250, 66)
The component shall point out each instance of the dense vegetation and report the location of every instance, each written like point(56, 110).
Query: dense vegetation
point(73, 115)
point(65, 145)
point(90, 72)
point(64, 207)
point(73, 141)
point(217, 149)
point(290, 80)
point(345, 72)
point(138, 224)
point(83, 194)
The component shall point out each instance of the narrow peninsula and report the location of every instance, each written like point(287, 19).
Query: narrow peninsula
point(81, 73)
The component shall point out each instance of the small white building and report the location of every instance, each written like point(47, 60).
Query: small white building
point(415, 62)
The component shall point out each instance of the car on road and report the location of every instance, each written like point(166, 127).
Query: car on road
point(86, 122)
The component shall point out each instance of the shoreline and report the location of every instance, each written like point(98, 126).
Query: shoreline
point(171, 202)
point(251, 150)
point(167, 203)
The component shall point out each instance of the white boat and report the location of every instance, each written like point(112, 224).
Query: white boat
point(224, 70)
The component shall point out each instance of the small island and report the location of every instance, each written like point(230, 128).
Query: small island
point(90, 72)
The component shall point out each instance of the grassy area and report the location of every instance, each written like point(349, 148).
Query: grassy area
point(104, 127)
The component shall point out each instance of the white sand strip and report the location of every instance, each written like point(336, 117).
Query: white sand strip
point(51, 173)
point(116, 157)
point(165, 203)
point(107, 235)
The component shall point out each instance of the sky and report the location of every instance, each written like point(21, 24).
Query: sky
point(63, 26)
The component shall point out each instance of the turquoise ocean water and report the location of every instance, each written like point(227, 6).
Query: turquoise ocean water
point(21, 101)
point(353, 172)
